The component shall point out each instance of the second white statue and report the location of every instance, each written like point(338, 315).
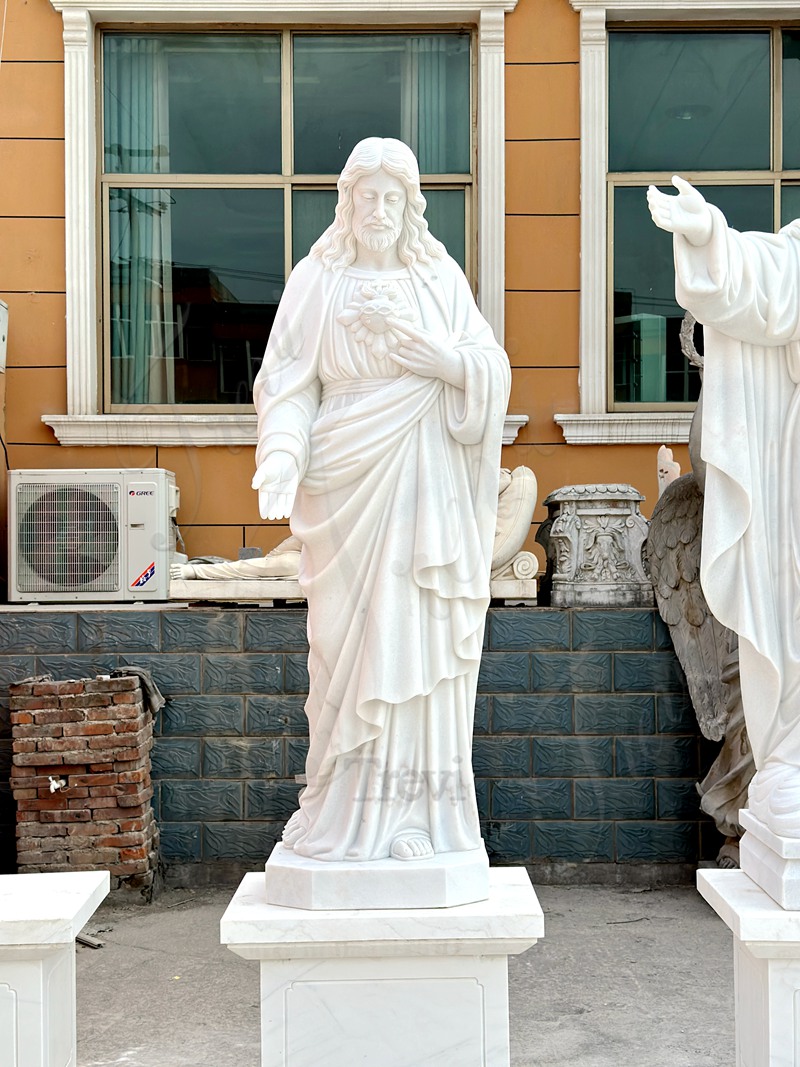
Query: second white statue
point(381, 402)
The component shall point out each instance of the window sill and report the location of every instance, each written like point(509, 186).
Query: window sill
point(627, 428)
point(191, 431)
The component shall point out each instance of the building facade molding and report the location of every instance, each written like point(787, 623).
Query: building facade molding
point(80, 18)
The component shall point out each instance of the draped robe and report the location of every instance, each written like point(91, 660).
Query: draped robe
point(745, 289)
point(396, 515)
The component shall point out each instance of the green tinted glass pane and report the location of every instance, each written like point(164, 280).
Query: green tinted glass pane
point(196, 276)
point(312, 214)
point(415, 87)
point(649, 366)
point(445, 215)
point(791, 99)
point(689, 101)
point(790, 203)
point(191, 104)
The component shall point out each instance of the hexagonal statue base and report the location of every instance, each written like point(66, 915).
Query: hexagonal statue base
point(446, 880)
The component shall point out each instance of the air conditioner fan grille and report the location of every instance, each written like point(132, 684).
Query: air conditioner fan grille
point(68, 537)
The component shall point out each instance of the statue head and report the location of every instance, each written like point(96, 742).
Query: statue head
point(337, 247)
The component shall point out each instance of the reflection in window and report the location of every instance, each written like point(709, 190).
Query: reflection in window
point(649, 366)
point(691, 101)
point(191, 306)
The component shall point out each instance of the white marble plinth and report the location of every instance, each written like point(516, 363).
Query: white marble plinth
point(40, 915)
point(442, 881)
point(773, 862)
point(766, 951)
point(385, 988)
point(237, 591)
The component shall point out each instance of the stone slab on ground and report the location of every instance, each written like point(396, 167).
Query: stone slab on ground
point(622, 976)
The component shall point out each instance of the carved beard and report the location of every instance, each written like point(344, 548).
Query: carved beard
point(378, 240)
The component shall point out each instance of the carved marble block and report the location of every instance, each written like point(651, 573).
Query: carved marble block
point(594, 547)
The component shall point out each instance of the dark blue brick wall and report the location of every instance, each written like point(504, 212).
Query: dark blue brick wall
point(586, 746)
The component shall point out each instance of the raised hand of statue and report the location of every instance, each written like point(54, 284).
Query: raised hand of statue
point(276, 481)
point(424, 354)
point(687, 213)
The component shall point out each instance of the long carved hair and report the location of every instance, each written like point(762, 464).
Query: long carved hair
point(337, 245)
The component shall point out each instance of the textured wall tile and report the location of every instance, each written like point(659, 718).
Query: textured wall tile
point(551, 799)
point(172, 673)
point(504, 672)
point(244, 673)
point(675, 714)
point(200, 801)
point(573, 757)
point(614, 714)
point(499, 757)
point(203, 715)
point(527, 714)
point(663, 638)
point(176, 758)
point(242, 758)
point(276, 631)
point(180, 841)
point(612, 798)
point(657, 842)
point(526, 629)
point(118, 631)
point(240, 840)
point(483, 789)
point(661, 757)
point(42, 632)
point(507, 842)
point(296, 752)
point(295, 678)
point(677, 798)
point(14, 669)
point(613, 629)
point(481, 723)
point(648, 672)
point(270, 800)
point(201, 630)
point(571, 672)
point(573, 841)
point(283, 714)
point(69, 668)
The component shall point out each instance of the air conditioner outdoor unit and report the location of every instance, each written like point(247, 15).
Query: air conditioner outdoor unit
point(95, 535)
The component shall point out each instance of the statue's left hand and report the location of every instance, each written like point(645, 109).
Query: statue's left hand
point(425, 354)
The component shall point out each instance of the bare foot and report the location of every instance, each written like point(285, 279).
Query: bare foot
point(728, 856)
point(411, 845)
point(295, 829)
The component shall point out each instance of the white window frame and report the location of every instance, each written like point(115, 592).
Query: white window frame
point(595, 424)
point(84, 423)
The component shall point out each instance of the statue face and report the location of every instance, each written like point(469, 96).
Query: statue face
point(379, 201)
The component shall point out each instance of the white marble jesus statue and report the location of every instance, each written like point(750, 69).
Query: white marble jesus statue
point(745, 290)
point(381, 403)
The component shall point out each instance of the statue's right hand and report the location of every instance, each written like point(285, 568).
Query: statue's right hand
point(687, 213)
point(276, 481)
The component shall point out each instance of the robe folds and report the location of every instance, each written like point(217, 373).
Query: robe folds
point(745, 289)
point(396, 515)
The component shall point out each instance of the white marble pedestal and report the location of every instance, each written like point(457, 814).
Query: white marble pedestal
point(766, 957)
point(40, 915)
point(386, 988)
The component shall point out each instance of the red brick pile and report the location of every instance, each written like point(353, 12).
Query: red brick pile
point(94, 736)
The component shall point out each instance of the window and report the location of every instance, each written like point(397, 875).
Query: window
point(221, 153)
point(96, 415)
point(719, 104)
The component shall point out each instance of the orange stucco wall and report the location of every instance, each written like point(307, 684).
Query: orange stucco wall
point(218, 510)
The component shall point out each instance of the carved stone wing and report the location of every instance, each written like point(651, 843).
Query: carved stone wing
point(673, 553)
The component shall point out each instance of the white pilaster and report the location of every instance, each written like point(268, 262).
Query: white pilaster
point(81, 184)
point(491, 168)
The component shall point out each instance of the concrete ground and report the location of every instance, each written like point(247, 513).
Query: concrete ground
point(623, 978)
